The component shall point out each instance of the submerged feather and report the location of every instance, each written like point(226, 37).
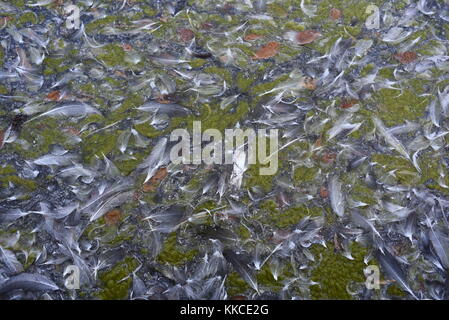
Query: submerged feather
point(28, 282)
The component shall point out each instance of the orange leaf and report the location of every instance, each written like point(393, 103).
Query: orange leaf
point(155, 180)
point(267, 51)
point(335, 14)
point(323, 192)
point(329, 157)
point(127, 47)
point(251, 37)
point(54, 95)
point(345, 104)
point(307, 36)
point(406, 57)
point(310, 83)
point(186, 34)
point(113, 217)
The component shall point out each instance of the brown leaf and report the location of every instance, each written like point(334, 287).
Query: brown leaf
point(307, 36)
point(186, 34)
point(329, 157)
point(127, 47)
point(251, 37)
point(151, 185)
point(207, 25)
point(165, 99)
point(113, 217)
point(308, 83)
point(54, 95)
point(335, 14)
point(323, 192)
point(72, 130)
point(2, 136)
point(406, 57)
point(267, 51)
point(345, 104)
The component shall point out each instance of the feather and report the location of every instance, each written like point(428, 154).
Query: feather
point(422, 4)
point(440, 245)
point(170, 108)
point(408, 228)
point(336, 197)
point(121, 186)
point(239, 168)
point(241, 268)
point(390, 139)
point(58, 213)
point(68, 110)
point(12, 215)
point(28, 282)
point(76, 171)
point(139, 288)
point(111, 203)
point(434, 113)
point(155, 159)
point(443, 97)
point(55, 160)
point(8, 258)
point(343, 124)
point(363, 222)
point(33, 36)
point(309, 10)
point(122, 140)
point(393, 269)
point(396, 35)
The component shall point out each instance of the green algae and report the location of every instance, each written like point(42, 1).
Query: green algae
point(128, 166)
point(8, 175)
point(253, 178)
point(147, 130)
point(114, 55)
point(116, 282)
point(334, 272)
point(235, 285)
point(54, 65)
point(98, 144)
point(18, 3)
point(29, 185)
point(304, 174)
point(27, 18)
point(221, 72)
point(212, 117)
point(292, 25)
point(41, 135)
point(2, 56)
point(174, 254)
point(404, 171)
point(243, 82)
point(149, 11)
point(396, 291)
point(198, 63)
point(243, 232)
point(97, 25)
point(394, 106)
point(3, 89)
point(292, 216)
point(267, 281)
point(132, 101)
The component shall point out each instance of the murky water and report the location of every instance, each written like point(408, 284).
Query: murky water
point(92, 207)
